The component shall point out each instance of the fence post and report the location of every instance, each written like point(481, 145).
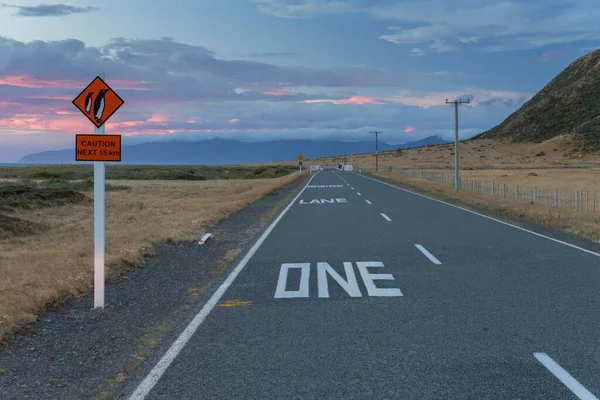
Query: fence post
point(587, 201)
point(535, 195)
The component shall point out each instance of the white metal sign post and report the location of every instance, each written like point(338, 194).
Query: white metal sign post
point(99, 227)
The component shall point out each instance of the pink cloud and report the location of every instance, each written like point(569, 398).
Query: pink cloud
point(279, 93)
point(9, 105)
point(552, 54)
point(42, 122)
point(350, 100)
point(159, 119)
point(409, 129)
point(124, 124)
point(33, 83)
point(48, 97)
point(234, 120)
point(28, 82)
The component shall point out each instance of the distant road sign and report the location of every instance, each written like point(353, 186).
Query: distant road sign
point(300, 163)
point(97, 147)
point(300, 157)
point(98, 102)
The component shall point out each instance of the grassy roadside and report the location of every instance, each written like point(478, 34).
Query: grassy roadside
point(582, 224)
point(53, 259)
point(146, 172)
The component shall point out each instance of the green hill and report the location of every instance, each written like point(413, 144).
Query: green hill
point(568, 105)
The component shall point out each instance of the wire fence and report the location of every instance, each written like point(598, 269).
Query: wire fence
point(577, 200)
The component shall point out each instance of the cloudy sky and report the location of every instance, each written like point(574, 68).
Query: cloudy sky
point(271, 69)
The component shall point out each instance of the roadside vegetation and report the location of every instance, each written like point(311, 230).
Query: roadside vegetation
point(146, 172)
point(46, 224)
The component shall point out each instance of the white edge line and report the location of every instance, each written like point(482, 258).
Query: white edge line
point(486, 216)
point(562, 375)
point(153, 377)
point(386, 217)
point(427, 254)
point(358, 193)
point(368, 202)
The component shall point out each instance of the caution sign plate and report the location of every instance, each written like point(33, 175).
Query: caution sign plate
point(97, 147)
point(98, 102)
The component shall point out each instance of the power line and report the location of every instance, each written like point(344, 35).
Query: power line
point(376, 149)
point(456, 158)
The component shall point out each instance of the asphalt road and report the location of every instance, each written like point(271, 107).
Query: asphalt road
point(364, 291)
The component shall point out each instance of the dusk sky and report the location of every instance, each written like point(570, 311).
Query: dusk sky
point(280, 69)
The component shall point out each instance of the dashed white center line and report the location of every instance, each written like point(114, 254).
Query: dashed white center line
point(368, 202)
point(428, 254)
point(562, 375)
point(351, 188)
point(358, 193)
point(386, 217)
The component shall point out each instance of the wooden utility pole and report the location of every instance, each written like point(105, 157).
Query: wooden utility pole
point(456, 158)
point(376, 149)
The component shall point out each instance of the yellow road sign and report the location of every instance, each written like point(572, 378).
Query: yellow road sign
point(300, 157)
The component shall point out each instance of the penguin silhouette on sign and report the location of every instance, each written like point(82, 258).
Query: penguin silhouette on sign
point(99, 105)
point(88, 102)
point(98, 102)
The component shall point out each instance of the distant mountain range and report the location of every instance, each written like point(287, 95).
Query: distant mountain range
point(224, 151)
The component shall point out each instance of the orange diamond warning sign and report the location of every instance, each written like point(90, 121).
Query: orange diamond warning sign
point(98, 102)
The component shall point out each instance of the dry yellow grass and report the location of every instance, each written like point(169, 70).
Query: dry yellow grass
point(497, 161)
point(570, 179)
point(38, 270)
point(586, 225)
point(564, 179)
point(481, 154)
